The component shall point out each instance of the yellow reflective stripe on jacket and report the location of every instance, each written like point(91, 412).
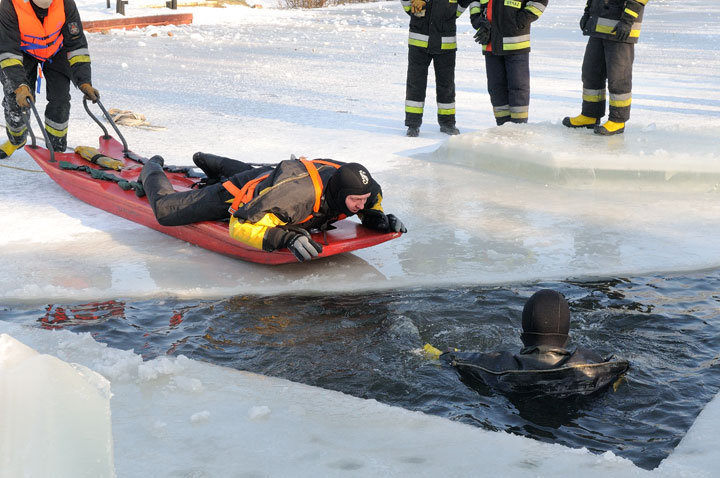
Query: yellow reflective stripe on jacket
point(607, 25)
point(460, 10)
point(535, 8)
point(10, 59)
point(418, 39)
point(406, 4)
point(642, 2)
point(516, 43)
point(631, 13)
point(448, 43)
point(253, 233)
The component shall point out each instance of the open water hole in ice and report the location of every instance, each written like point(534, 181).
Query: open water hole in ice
point(368, 345)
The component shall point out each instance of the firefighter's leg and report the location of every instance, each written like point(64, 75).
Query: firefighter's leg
point(418, 63)
point(619, 58)
point(15, 126)
point(517, 68)
point(444, 66)
point(57, 111)
point(594, 74)
point(497, 87)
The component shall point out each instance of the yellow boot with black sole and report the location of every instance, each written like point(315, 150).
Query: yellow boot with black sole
point(7, 149)
point(580, 121)
point(610, 128)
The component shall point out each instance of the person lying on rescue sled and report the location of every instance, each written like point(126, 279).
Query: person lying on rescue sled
point(272, 206)
point(544, 366)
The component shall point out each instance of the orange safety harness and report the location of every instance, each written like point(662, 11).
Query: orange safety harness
point(41, 40)
point(247, 192)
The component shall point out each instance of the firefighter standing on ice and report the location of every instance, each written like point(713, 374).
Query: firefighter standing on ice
point(503, 30)
point(613, 27)
point(432, 39)
point(47, 34)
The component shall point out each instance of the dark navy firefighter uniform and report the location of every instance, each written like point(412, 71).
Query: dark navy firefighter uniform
point(608, 58)
point(62, 54)
point(432, 39)
point(507, 53)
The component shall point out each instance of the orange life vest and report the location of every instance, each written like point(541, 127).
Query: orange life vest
point(41, 40)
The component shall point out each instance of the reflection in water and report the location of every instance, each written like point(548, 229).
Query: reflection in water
point(369, 345)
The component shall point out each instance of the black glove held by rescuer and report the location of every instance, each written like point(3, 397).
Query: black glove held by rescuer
point(303, 247)
point(482, 36)
point(622, 30)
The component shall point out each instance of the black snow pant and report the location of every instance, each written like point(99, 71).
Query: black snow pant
point(444, 65)
point(209, 203)
point(508, 80)
point(56, 73)
point(611, 61)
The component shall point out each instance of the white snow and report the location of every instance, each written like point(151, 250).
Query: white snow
point(492, 206)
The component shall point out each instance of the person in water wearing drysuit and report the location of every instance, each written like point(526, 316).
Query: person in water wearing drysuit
point(544, 365)
point(271, 206)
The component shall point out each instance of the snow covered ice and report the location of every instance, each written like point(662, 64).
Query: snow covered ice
point(492, 206)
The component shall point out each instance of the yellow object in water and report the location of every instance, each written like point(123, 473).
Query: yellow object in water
point(431, 352)
point(94, 156)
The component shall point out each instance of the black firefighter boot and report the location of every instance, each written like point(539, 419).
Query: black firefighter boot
point(449, 129)
point(153, 180)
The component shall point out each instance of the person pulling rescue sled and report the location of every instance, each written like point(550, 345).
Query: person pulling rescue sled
point(613, 27)
point(272, 206)
point(544, 366)
point(44, 36)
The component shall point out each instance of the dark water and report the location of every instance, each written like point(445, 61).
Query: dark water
point(367, 346)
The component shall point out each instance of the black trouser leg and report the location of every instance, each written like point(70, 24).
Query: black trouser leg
point(416, 84)
point(173, 208)
point(219, 166)
point(619, 59)
point(444, 65)
point(57, 111)
point(594, 75)
point(517, 70)
point(497, 87)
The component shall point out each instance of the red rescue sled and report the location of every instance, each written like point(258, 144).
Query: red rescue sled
point(212, 235)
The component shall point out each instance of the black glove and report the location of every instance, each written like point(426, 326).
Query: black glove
point(303, 247)
point(583, 21)
point(523, 19)
point(482, 36)
point(622, 31)
point(395, 224)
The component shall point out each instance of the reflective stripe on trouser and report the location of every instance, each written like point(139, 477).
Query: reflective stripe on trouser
point(444, 65)
point(610, 62)
point(57, 110)
point(508, 79)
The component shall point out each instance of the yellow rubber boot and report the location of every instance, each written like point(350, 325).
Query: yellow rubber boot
point(7, 149)
point(580, 121)
point(610, 128)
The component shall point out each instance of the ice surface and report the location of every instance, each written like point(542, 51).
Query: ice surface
point(493, 205)
point(54, 416)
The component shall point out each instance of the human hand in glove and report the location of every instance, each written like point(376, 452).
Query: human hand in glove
point(622, 30)
point(395, 224)
point(417, 6)
point(482, 36)
point(378, 221)
point(23, 96)
point(583, 21)
point(303, 247)
point(90, 93)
